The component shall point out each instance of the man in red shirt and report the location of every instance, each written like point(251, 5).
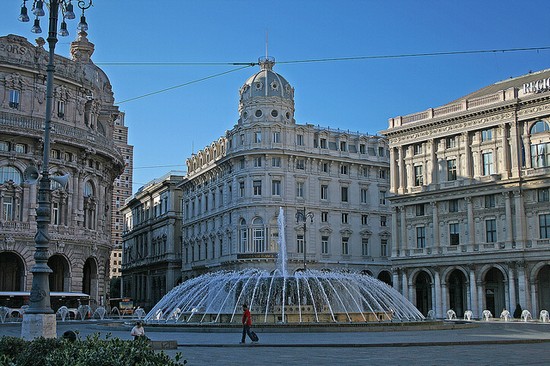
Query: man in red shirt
point(247, 323)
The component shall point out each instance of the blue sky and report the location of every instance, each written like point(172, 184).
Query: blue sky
point(359, 95)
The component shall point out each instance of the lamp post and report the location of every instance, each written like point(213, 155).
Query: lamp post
point(39, 319)
point(302, 216)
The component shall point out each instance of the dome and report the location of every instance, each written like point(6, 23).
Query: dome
point(266, 90)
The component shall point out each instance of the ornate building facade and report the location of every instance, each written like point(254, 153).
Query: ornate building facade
point(235, 187)
point(82, 146)
point(470, 199)
point(152, 240)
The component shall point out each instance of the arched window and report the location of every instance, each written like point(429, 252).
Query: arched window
point(90, 206)
point(8, 173)
point(88, 189)
point(258, 235)
point(539, 126)
point(243, 236)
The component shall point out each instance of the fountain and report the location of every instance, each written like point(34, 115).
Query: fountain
point(100, 312)
point(468, 314)
point(139, 313)
point(307, 296)
point(526, 315)
point(487, 315)
point(4, 311)
point(451, 314)
point(63, 312)
point(431, 314)
point(505, 315)
point(544, 316)
point(83, 311)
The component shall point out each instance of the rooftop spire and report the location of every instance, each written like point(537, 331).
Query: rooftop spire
point(266, 62)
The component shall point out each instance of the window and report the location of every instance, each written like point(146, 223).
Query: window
point(242, 163)
point(490, 201)
point(487, 135)
point(55, 213)
point(540, 126)
point(420, 209)
point(300, 164)
point(382, 174)
point(276, 188)
point(258, 235)
point(299, 243)
point(7, 209)
point(454, 234)
point(364, 195)
point(4, 146)
point(384, 247)
point(451, 169)
point(544, 226)
point(323, 143)
point(364, 246)
point(300, 140)
point(345, 246)
point(381, 151)
point(343, 169)
point(88, 189)
point(543, 194)
point(257, 188)
point(300, 189)
point(345, 216)
point(491, 230)
point(20, 148)
point(418, 178)
point(257, 137)
point(488, 167)
point(60, 108)
point(344, 194)
point(243, 236)
point(276, 137)
point(324, 191)
point(241, 189)
point(257, 161)
point(382, 197)
point(540, 155)
point(382, 220)
point(364, 219)
point(325, 168)
point(276, 162)
point(421, 237)
point(450, 142)
point(362, 149)
point(243, 140)
point(324, 244)
point(453, 205)
point(14, 99)
point(343, 146)
point(417, 149)
point(324, 216)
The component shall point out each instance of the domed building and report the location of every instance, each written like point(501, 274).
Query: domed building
point(331, 185)
point(82, 147)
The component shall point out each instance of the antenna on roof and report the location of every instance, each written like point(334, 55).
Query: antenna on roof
point(266, 44)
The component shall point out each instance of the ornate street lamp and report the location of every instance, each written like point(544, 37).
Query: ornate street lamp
point(302, 216)
point(39, 319)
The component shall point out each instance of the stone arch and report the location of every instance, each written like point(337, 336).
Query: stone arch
point(60, 277)
point(540, 277)
point(494, 280)
point(422, 281)
point(457, 290)
point(12, 272)
point(367, 272)
point(386, 277)
point(90, 278)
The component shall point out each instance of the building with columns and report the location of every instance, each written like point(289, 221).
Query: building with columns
point(235, 187)
point(152, 240)
point(470, 200)
point(82, 145)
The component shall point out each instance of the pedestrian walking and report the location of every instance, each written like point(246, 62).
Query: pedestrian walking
point(247, 323)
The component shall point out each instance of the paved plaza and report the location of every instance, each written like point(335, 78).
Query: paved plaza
point(476, 343)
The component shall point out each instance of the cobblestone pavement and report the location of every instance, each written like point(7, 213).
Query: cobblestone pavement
point(477, 343)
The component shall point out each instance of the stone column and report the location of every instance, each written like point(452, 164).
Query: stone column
point(473, 293)
point(505, 168)
point(438, 293)
point(523, 282)
point(508, 212)
point(467, 155)
point(434, 168)
point(435, 224)
point(471, 224)
point(520, 220)
point(401, 166)
point(394, 172)
point(444, 301)
point(480, 297)
point(404, 242)
point(511, 288)
point(394, 233)
point(515, 153)
point(404, 284)
point(395, 275)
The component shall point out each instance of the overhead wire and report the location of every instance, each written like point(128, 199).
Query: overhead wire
point(245, 65)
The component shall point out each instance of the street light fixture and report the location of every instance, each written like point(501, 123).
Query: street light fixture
point(302, 216)
point(39, 319)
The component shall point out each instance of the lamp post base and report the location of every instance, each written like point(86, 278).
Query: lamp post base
point(38, 325)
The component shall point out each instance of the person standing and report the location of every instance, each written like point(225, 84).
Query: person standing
point(247, 323)
point(138, 331)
